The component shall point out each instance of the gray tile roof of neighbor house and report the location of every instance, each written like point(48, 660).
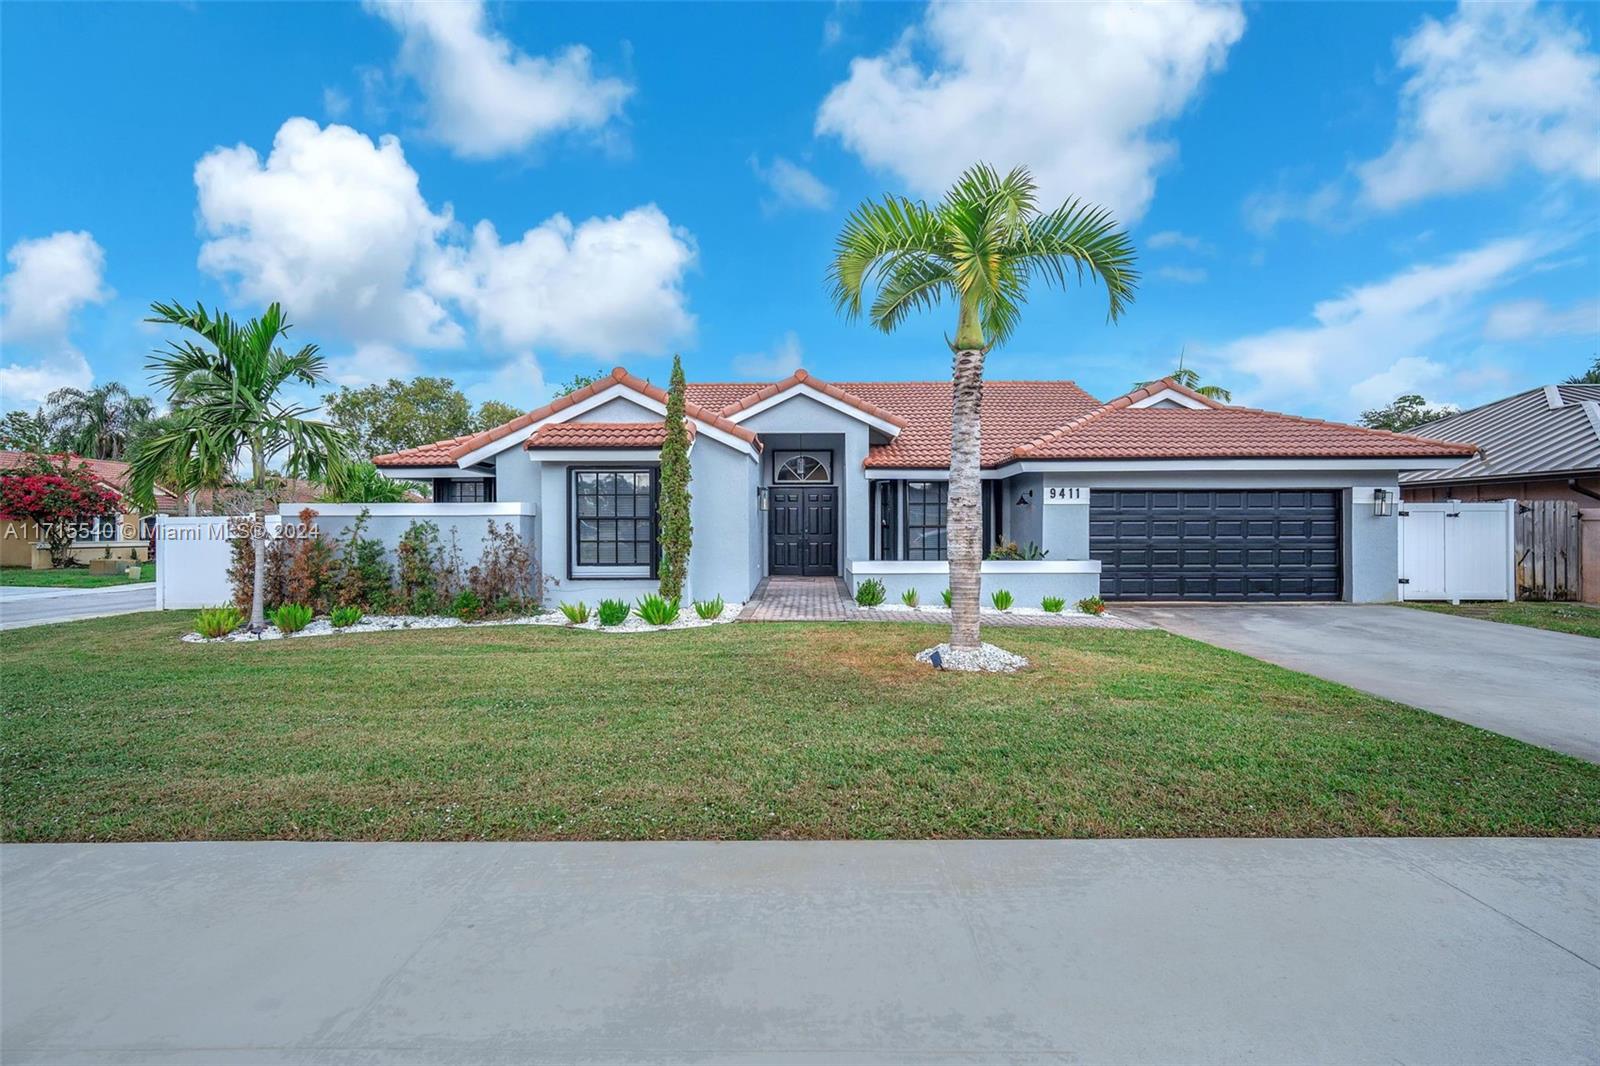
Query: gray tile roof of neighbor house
point(1544, 432)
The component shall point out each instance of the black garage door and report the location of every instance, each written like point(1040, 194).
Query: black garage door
point(1221, 545)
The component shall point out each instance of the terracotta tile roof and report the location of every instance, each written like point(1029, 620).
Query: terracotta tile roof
point(435, 454)
point(717, 395)
point(1118, 430)
point(110, 472)
point(602, 435)
point(1014, 412)
point(800, 377)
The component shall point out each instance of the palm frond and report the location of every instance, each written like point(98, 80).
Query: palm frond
point(876, 237)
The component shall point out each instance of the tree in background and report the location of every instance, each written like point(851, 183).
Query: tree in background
point(1189, 379)
point(364, 483)
point(96, 423)
point(1588, 377)
point(22, 432)
point(493, 413)
point(228, 398)
point(59, 496)
point(980, 248)
point(576, 382)
point(398, 414)
point(677, 532)
point(1404, 414)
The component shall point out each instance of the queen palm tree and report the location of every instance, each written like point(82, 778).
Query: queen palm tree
point(97, 423)
point(229, 405)
point(980, 248)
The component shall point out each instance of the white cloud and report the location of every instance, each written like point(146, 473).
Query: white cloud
point(784, 359)
point(1182, 275)
point(600, 287)
point(484, 96)
point(1492, 88)
point(518, 381)
point(372, 362)
point(1171, 238)
point(1524, 319)
point(791, 185)
point(1265, 209)
point(335, 103)
point(1000, 86)
point(331, 226)
point(49, 281)
point(1376, 337)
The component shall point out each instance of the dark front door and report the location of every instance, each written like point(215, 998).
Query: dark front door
point(1216, 545)
point(804, 524)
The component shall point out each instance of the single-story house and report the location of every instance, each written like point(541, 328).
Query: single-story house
point(125, 535)
point(1543, 444)
point(1161, 494)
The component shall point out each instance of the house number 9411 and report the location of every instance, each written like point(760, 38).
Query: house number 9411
point(1066, 494)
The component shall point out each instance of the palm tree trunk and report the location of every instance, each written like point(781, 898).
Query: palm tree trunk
point(258, 582)
point(964, 515)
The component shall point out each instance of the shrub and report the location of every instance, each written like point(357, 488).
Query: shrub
point(709, 609)
point(870, 592)
point(1053, 604)
point(507, 571)
point(945, 596)
point(577, 613)
point(367, 577)
point(344, 617)
point(1008, 549)
point(613, 612)
point(466, 606)
point(657, 609)
point(909, 597)
point(672, 490)
point(421, 557)
point(1092, 605)
point(1002, 600)
point(313, 576)
point(291, 617)
point(216, 622)
point(59, 497)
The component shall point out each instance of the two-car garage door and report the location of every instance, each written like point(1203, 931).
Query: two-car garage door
point(1245, 544)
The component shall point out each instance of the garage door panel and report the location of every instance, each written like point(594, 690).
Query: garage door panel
point(1231, 544)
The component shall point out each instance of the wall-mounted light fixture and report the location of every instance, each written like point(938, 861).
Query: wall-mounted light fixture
point(1382, 503)
point(1026, 499)
point(763, 498)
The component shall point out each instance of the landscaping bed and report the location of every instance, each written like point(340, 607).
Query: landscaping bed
point(388, 623)
point(115, 730)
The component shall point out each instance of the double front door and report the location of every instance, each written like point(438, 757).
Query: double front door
point(804, 530)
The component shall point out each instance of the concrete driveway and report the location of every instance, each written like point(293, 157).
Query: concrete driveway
point(1460, 951)
point(1531, 684)
point(34, 607)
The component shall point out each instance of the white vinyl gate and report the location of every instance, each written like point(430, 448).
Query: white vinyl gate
point(1458, 551)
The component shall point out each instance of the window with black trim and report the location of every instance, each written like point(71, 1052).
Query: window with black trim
point(465, 490)
point(613, 522)
point(926, 503)
point(793, 468)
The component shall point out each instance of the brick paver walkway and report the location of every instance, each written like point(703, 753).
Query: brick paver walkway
point(827, 599)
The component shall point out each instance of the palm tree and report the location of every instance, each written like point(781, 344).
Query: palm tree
point(229, 409)
point(1189, 379)
point(364, 483)
point(980, 247)
point(186, 475)
point(97, 423)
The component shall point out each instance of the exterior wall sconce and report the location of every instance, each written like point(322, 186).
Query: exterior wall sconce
point(1382, 503)
point(763, 498)
point(1026, 499)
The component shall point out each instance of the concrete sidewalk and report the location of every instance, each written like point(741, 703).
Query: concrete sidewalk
point(23, 606)
point(965, 951)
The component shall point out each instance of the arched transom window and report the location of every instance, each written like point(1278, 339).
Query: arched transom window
point(796, 467)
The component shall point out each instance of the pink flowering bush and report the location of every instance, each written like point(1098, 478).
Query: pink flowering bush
point(58, 496)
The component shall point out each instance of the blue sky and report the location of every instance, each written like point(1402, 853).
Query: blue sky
point(1333, 203)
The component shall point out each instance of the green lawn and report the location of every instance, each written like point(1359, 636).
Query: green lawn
point(113, 730)
point(1579, 618)
point(74, 578)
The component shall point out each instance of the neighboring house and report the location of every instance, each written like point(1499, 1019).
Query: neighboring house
point(1159, 494)
point(125, 535)
point(1543, 444)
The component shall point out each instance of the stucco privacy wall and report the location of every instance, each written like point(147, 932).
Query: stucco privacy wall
point(1369, 544)
point(1028, 582)
point(803, 415)
point(388, 521)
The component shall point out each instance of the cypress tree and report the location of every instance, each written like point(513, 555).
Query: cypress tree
point(676, 530)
